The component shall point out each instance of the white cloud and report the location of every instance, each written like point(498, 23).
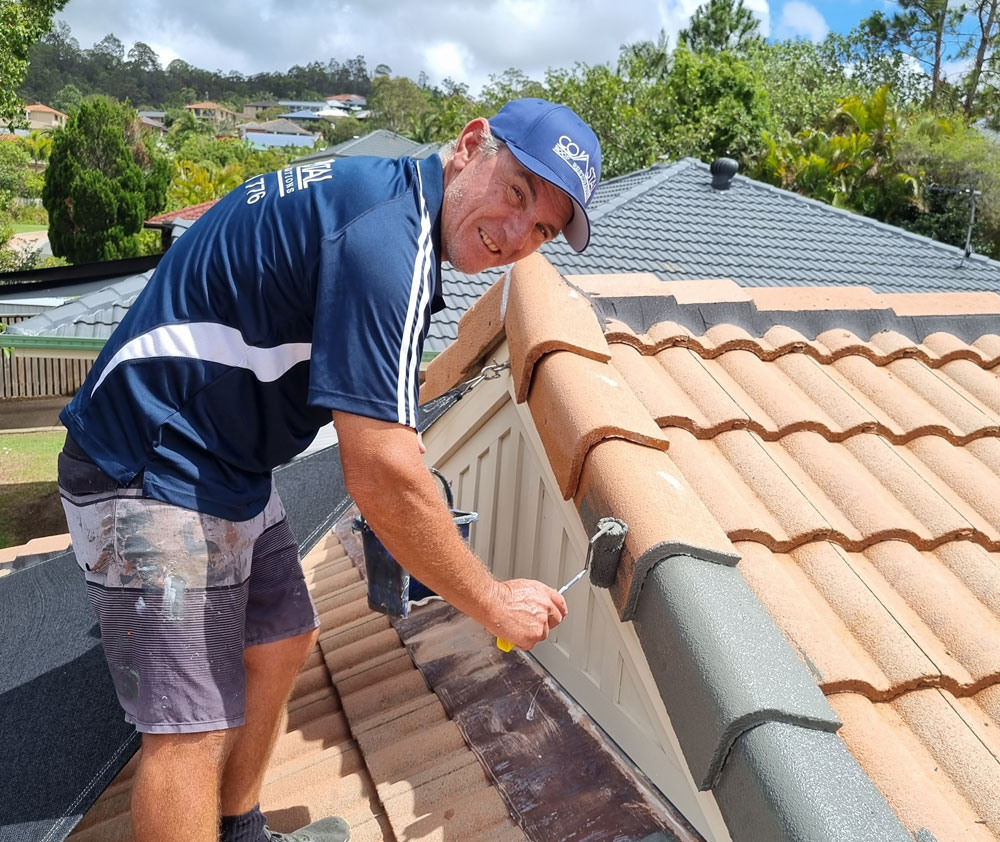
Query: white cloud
point(801, 20)
point(762, 11)
point(468, 42)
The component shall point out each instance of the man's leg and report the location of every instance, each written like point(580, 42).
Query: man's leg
point(176, 789)
point(271, 672)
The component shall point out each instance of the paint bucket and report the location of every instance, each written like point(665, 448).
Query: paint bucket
point(391, 589)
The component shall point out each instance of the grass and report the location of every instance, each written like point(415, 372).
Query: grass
point(27, 227)
point(29, 498)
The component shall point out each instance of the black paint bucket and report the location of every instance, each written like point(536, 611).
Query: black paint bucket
point(391, 589)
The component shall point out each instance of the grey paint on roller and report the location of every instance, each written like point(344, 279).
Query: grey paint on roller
point(785, 783)
point(606, 550)
point(720, 663)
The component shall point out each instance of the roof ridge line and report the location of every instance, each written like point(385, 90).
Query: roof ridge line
point(665, 173)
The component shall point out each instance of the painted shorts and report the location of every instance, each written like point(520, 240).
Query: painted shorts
point(179, 594)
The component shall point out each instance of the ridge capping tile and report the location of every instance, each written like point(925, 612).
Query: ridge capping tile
point(545, 314)
point(784, 783)
point(720, 663)
point(667, 519)
point(480, 330)
point(576, 403)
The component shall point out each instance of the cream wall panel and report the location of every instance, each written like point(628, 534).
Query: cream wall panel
point(496, 464)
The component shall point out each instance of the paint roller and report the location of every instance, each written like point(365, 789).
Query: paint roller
point(603, 551)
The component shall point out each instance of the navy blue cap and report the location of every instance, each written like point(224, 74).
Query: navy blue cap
point(555, 144)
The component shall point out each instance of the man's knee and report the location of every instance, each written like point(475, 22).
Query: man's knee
point(205, 748)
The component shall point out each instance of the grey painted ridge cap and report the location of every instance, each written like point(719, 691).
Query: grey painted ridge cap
point(661, 554)
point(721, 664)
point(789, 784)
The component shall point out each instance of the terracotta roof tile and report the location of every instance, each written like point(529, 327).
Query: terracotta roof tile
point(859, 479)
point(577, 402)
point(545, 315)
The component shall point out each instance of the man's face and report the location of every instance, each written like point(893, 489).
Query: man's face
point(496, 212)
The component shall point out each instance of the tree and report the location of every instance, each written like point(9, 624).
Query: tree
point(715, 106)
point(38, 145)
point(988, 20)
point(721, 26)
point(102, 183)
point(68, 99)
point(922, 28)
point(22, 23)
point(396, 103)
point(850, 162)
point(648, 59)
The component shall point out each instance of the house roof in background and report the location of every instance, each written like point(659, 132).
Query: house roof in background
point(279, 126)
point(381, 142)
point(263, 140)
point(844, 445)
point(191, 213)
point(302, 114)
point(44, 109)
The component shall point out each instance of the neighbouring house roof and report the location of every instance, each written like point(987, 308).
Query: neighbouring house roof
point(44, 109)
point(190, 213)
point(279, 126)
point(380, 142)
point(302, 114)
point(668, 220)
point(265, 140)
point(811, 479)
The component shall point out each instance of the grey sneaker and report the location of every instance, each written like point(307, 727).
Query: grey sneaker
point(331, 829)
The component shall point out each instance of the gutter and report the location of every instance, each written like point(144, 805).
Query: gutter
point(63, 347)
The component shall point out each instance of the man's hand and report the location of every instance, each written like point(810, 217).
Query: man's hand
point(526, 611)
point(388, 480)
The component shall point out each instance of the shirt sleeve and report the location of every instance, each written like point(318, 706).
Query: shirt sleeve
point(373, 308)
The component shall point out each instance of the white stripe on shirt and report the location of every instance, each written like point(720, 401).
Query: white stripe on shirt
point(411, 335)
point(209, 342)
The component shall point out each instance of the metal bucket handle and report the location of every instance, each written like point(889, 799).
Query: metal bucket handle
point(447, 487)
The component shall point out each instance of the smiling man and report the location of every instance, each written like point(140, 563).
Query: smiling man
point(302, 294)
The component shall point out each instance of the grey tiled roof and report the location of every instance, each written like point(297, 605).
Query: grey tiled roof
point(381, 142)
point(669, 221)
point(93, 315)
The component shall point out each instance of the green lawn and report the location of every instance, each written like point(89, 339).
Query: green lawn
point(27, 227)
point(29, 499)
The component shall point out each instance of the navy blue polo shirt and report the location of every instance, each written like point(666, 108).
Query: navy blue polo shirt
point(301, 291)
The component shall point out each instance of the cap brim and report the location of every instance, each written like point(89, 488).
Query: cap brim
point(577, 230)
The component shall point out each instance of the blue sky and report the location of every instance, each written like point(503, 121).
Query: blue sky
point(442, 38)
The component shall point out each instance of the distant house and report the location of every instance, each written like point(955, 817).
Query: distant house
point(304, 116)
point(352, 101)
point(302, 104)
point(44, 118)
point(153, 125)
point(212, 112)
point(252, 109)
point(279, 126)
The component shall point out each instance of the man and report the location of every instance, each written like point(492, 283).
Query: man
point(303, 293)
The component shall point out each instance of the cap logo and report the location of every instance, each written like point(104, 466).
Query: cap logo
point(579, 160)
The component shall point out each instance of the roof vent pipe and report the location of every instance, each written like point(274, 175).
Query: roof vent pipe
point(723, 170)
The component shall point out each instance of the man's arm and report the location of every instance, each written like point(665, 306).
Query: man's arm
point(399, 499)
